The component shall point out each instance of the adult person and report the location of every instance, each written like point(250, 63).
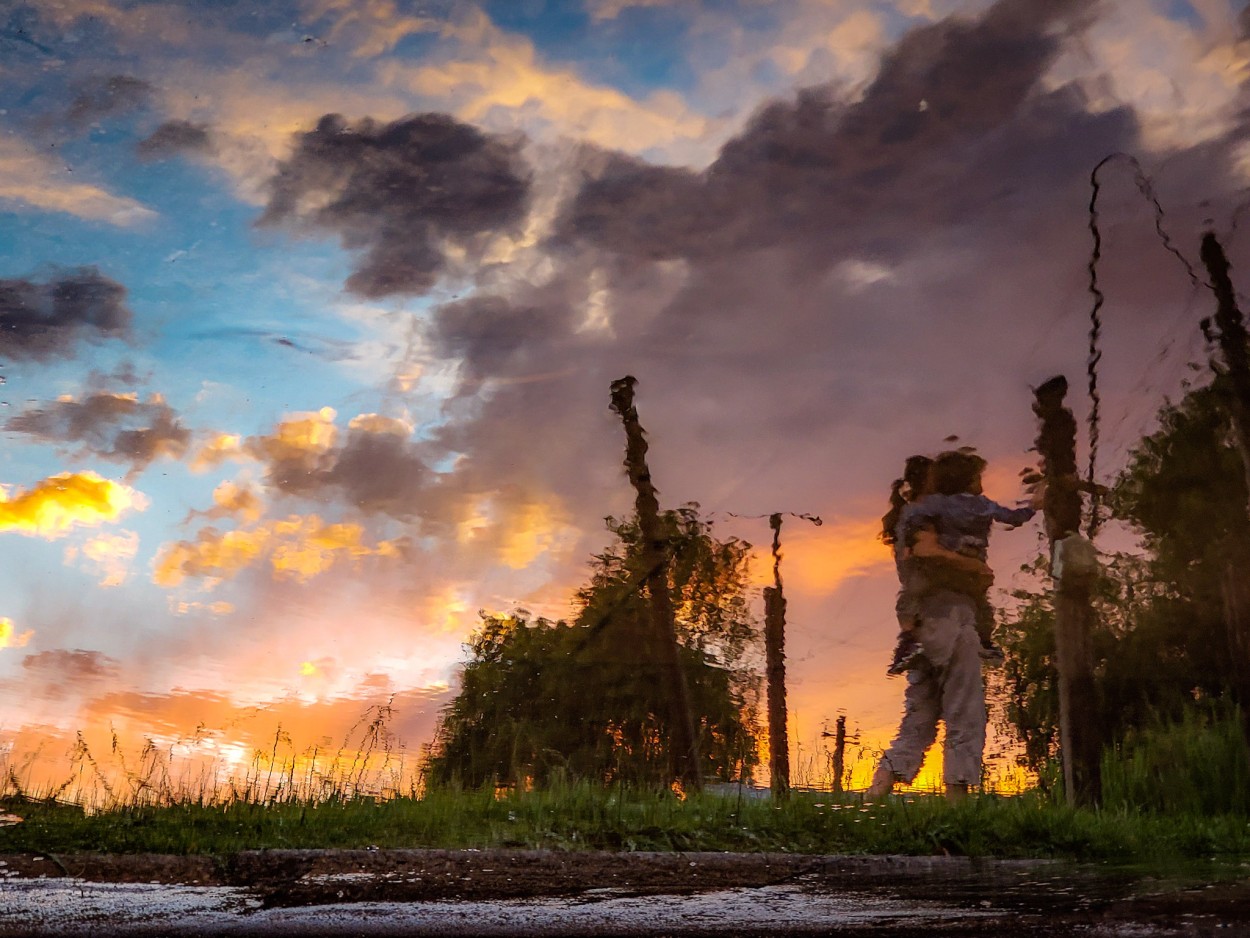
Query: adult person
point(946, 585)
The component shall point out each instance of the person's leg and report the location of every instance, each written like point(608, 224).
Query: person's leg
point(990, 651)
point(916, 732)
point(963, 703)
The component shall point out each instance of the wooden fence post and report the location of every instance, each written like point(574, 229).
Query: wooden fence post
point(1074, 569)
point(839, 753)
point(775, 666)
point(683, 755)
point(1231, 336)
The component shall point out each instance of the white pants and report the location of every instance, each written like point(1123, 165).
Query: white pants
point(948, 687)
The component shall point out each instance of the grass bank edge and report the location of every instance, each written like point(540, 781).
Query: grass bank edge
point(584, 817)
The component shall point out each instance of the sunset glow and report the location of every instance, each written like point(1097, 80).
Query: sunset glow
point(309, 312)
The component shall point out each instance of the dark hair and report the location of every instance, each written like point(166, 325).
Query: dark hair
point(956, 471)
point(915, 479)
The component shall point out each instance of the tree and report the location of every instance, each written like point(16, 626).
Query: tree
point(585, 699)
point(1161, 641)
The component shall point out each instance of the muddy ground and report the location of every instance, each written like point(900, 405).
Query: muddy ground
point(411, 892)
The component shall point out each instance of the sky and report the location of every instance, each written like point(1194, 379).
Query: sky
point(310, 309)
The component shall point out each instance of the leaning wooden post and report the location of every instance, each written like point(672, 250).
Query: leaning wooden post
point(1234, 346)
point(1234, 381)
point(775, 664)
point(1074, 567)
point(683, 757)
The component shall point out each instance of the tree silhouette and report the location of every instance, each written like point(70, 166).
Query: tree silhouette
point(587, 699)
point(1161, 640)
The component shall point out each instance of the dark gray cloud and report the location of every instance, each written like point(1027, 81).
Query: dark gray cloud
point(61, 664)
point(376, 468)
point(382, 472)
point(174, 137)
point(107, 96)
point(490, 335)
point(42, 321)
point(114, 426)
point(395, 192)
point(926, 145)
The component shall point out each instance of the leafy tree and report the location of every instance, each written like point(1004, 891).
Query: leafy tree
point(1161, 641)
point(587, 699)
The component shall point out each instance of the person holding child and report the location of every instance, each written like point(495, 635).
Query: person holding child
point(939, 526)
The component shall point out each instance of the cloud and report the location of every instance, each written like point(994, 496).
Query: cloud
point(399, 193)
point(60, 503)
point(498, 80)
point(41, 321)
point(219, 448)
point(109, 425)
point(173, 138)
point(601, 10)
point(109, 555)
point(489, 335)
point(107, 96)
point(376, 468)
point(803, 170)
point(300, 450)
point(296, 548)
point(370, 27)
point(380, 469)
point(60, 665)
point(231, 500)
point(32, 179)
point(1183, 78)
point(10, 637)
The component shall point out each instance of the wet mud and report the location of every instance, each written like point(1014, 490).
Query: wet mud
point(416, 892)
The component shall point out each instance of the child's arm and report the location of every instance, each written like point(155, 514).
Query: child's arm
point(1014, 517)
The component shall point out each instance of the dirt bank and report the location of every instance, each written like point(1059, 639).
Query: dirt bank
point(901, 895)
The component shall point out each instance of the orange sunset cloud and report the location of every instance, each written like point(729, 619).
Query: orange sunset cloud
point(299, 547)
point(59, 503)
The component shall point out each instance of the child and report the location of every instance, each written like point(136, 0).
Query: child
point(909, 488)
point(961, 517)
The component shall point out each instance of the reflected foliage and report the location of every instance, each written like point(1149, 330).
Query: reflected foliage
point(1161, 642)
point(587, 699)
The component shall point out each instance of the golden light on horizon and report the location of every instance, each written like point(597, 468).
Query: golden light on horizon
point(818, 560)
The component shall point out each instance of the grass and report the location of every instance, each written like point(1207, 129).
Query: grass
point(582, 816)
point(1177, 791)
